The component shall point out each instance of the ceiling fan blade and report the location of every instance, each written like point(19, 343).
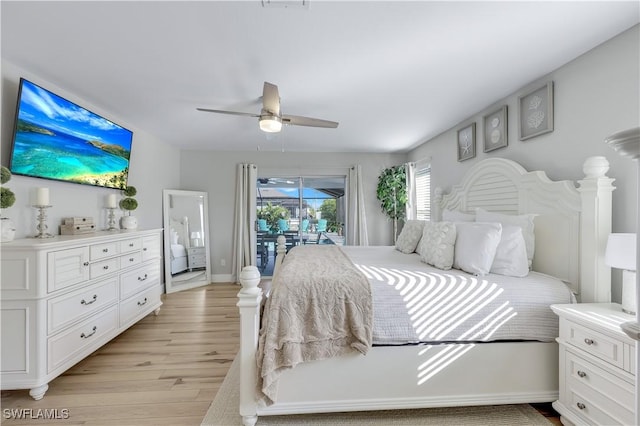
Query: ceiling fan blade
point(271, 98)
point(297, 120)
point(220, 111)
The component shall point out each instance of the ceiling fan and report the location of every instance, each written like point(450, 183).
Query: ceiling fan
point(270, 117)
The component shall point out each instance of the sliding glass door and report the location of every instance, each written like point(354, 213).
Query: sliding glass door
point(305, 209)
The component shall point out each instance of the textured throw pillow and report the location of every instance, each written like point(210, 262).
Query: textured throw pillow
point(437, 243)
point(476, 245)
point(511, 254)
point(457, 216)
point(410, 236)
point(524, 221)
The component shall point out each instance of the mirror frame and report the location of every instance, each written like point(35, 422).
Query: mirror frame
point(170, 286)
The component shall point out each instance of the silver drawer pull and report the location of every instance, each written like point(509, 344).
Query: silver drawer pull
point(142, 278)
point(143, 303)
point(130, 244)
point(105, 267)
point(105, 250)
point(581, 406)
point(86, 263)
point(84, 302)
point(86, 336)
point(581, 373)
point(131, 259)
point(588, 341)
point(144, 249)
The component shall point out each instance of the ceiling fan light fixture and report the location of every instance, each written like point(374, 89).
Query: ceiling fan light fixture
point(270, 124)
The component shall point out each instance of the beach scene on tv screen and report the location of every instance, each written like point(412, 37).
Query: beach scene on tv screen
point(57, 139)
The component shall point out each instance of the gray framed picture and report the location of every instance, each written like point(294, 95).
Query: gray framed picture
point(495, 130)
point(535, 115)
point(467, 142)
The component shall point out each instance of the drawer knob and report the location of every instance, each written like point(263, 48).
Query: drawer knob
point(142, 278)
point(581, 374)
point(144, 249)
point(143, 302)
point(86, 336)
point(86, 263)
point(581, 406)
point(105, 267)
point(105, 250)
point(131, 259)
point(84, 302)
point(130, 244)
point(588, 341)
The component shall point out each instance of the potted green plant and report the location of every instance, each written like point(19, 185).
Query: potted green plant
point(392, 194)
point(128, 203)
point(7, 199)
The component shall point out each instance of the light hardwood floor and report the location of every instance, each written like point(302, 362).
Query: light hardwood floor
point(165, 370)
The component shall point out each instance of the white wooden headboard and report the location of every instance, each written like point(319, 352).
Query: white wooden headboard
point(571, 226)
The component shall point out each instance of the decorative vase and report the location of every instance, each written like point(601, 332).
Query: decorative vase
point(8, 229)
point(129, 222)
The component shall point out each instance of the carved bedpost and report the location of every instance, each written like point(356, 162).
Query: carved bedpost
point(437, 205)
point(281, 250)
point(595, 226)
point(249, 299)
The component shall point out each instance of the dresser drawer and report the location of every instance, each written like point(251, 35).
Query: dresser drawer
point(89, 334)
point(71, 307)
point(133, 244)
point(593, 342)
point(143, 277)
point(150, 247)
point(105, 267)
point(131, 259)
point(140, 305)
point(104, 250)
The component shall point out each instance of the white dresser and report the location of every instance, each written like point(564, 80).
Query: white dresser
point(597, 365)
point(196, 257)
point(64, 297)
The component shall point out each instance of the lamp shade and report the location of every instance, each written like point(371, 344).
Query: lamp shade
point(621, 251)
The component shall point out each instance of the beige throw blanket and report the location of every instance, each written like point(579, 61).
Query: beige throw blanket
point(320, 307)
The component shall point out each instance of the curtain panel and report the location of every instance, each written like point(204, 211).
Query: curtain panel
point(244, 239)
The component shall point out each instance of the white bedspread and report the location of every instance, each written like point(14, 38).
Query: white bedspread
point(414, 302)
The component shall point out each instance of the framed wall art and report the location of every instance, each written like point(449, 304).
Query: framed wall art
point(535, 115)
point(495, 130)
point(467, 142)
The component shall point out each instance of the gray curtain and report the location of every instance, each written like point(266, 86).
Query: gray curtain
point(356, 217)
point(244, 237)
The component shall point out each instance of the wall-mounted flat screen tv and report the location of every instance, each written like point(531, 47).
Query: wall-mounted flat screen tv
point(56, 139)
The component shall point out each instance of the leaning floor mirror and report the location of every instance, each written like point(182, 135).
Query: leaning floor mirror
point(187, 261)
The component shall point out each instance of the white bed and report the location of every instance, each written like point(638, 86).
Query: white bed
point(179, 231)
point(571, 228)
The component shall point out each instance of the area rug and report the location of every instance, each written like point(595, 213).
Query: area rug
point(224, 412)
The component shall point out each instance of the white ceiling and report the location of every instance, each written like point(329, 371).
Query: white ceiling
point(394, 74)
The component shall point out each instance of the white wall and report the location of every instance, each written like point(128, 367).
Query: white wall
point(152, 168)
point(596, 95)
point(214, 172)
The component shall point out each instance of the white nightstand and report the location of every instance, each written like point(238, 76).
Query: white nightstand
point(597, 365)
point(196, 257)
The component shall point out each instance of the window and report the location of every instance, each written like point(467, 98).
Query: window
point(423, 191)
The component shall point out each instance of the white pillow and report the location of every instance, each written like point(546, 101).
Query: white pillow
point(437, 244)
point(457, 216)
point(476, 245)
point(511, 254)
point(174, 237)
point(410, 236)
point(524, 221)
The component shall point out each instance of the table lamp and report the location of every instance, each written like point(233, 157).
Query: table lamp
point(621, 254)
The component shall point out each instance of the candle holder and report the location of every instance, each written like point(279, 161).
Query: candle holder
point(112, 219)
point(42, 219)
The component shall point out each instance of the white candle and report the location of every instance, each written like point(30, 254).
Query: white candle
point(42, 197)
point(111, 201)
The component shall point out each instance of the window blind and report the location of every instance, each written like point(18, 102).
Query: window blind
point(423, 192)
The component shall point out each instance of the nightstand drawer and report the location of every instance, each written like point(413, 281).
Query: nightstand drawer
point(614, 394)
point(593, 410)
point(593, 342)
